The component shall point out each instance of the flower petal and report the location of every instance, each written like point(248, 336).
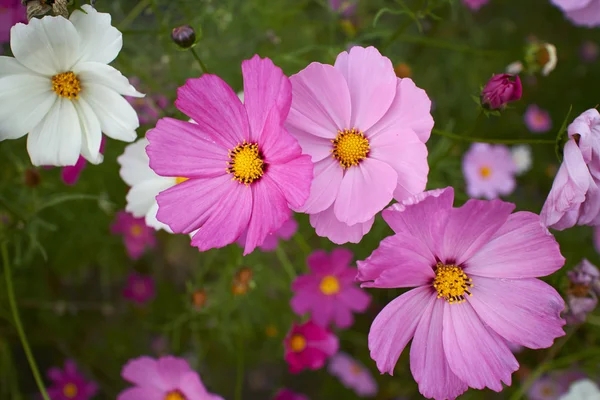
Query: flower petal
point(141, 196)
point(143, 371)
point(171, 370)
point(522, 311)
point(327, 225)
point(324, 187)
point(101, 42)
point(395, 325)
point(10, 66)
point(140, 393)
point(293, 179)
point(91, 138)
point(134, 163)
point(521, 248)
point(316, 147)
point(102, 74)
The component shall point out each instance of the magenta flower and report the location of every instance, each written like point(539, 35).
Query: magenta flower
point(70, 384)
point(287, 230)
point(575, 194)
point(346, 8)
point(148, 108)
point(475, 4)
point(546, 387)
point(70, 174)
point(475, 269)
point(11, 13)
point(308, 346)
point(168, 378)
point(245, 170)
point(287, 394)
point(582, 296)
point(489, 170)
point(353, 375)
point(365, 130)
point(329, 292)
point(140, 288)
point(537, 120)
point(581, 12)
point(136, 235)
point(500, 90)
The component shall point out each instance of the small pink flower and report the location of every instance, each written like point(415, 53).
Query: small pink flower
point(346, 8)
point(140, 288)
point(11, 13)
point(287, 394)
point(168, 378)
point(329, 292)
point(581, 12)
point(353, 375)
point(489, 171)
point(70, 174)
point(582, 296)
point(136, 235)
point(148, 108)
point(70, 384)
point(365, 130)
point(589, 51)
point(500, 90)
point(287, 230)
point(245, 170)
point(475, 269)
point(308, 346)
point(537, 120)
point(475, 4)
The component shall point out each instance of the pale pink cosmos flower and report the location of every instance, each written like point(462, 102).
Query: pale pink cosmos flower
point(140, 288)
point(168, 378)
point(287, 394)
point(489, 170)
point(582, 296)
point(70, 384)
point(329, 292)
point(11, 13)
point(245, 170)
point(353, 375)
point(581, 12)
point(308, 346)
point(365, 130)
point(475, 4)
point(575, 194)
point(286, 232)
point(537, 120)
point(475, 270)
point(136, 235)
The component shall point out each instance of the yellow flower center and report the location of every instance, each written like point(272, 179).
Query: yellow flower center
point(180, 179)
point(70, 390)
point(246, 163)
point(451, 283)
point(136, 230)
point(66, 85)
point(350, 147)
point(329, 285)
point(485, 172)
point(298, 343)
point(175, 395)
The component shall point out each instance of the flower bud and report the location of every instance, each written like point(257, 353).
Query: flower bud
point(501, 89)
point(244, 275)
point(184, 36)
point(32, 177)
point(403, 70)
point(199, 298)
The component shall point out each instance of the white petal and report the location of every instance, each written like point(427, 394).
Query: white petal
point(48, 46)
point(25, 99)
point(57, 139)
point(135, 164)
point(10, 66)
point(102, 74)
point(100, 41)
point(153, 222)
point(142, 196)
point(117, 117)
point(91, 138)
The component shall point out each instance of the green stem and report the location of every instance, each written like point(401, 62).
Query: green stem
point(239, 379)
point(490, 140)
point(285, 261)
point(202, 66)
point(19, 325)
point(133, 14)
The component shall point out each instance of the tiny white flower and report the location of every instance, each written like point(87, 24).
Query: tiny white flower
point(514, 68)
point(521, 156)
point(61, 91)
point(583, 389)
point(552, 59)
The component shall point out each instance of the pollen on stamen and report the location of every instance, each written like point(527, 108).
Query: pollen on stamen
point(350, 147)
point(247, 164)
point(66, 85)
point(451, 283)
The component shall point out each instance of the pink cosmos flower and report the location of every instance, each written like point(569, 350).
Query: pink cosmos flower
point(140, 288)
point(582, 296)
point(365, 130)
point(353, 375)
point(474, 268)
point(575, 194)
point(136, 235)
point(308, 346)
point(70, 384)
point(500, 90)
point(287, 394)
point(70, 174)
point(537, 120)
point(581, 12)
point(475, 4)
point(148, 108)
point(245, 170)
point(329, 292)
point(11, 13)
point(287, 230)
point(489, 170)
point(168, 378)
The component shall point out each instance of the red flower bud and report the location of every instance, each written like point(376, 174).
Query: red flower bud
point(501, 89)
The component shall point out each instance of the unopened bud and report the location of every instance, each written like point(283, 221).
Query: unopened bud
point(403, 70)
point(184, 36)
point(244, 275)
point(500, 90)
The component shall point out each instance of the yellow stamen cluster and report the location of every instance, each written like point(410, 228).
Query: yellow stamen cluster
point(70, 390)
point(451, 283)
point(66, 85)
point(350, 147)
point(175, 395)
point(329, 285)
point(297, 343)
point(136, 230)
point(180, 179)
point(485, 172)
point(246, 163)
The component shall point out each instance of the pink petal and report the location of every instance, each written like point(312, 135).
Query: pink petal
point(365, 190)
point(316, 147)
point(372, 84)
point(276, 144)
point(323, 311)
point(472, 226)
point(192, 387)
point(70, 175)
point(327, 225)
point(211, 103)
point(143, 371)
point(269, 244)
point(141, 393)
point(319, 262)
point(325, 186)
point(293, 179)
point(179, 148)
point(342, 316)
point(476, 354)
point(354, 299)
point(521, 248)
point(522, 311)
point(288, 229)
point(401, 260)
point(395, 325)
point(265, 87)
point(341, 258)
point(171, 370)
point(55, 374)
point(303, 300)
point(428, 362)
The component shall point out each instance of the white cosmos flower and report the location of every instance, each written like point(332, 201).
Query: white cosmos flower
point(521, 155)
point(60, 90)
point(583, 389)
